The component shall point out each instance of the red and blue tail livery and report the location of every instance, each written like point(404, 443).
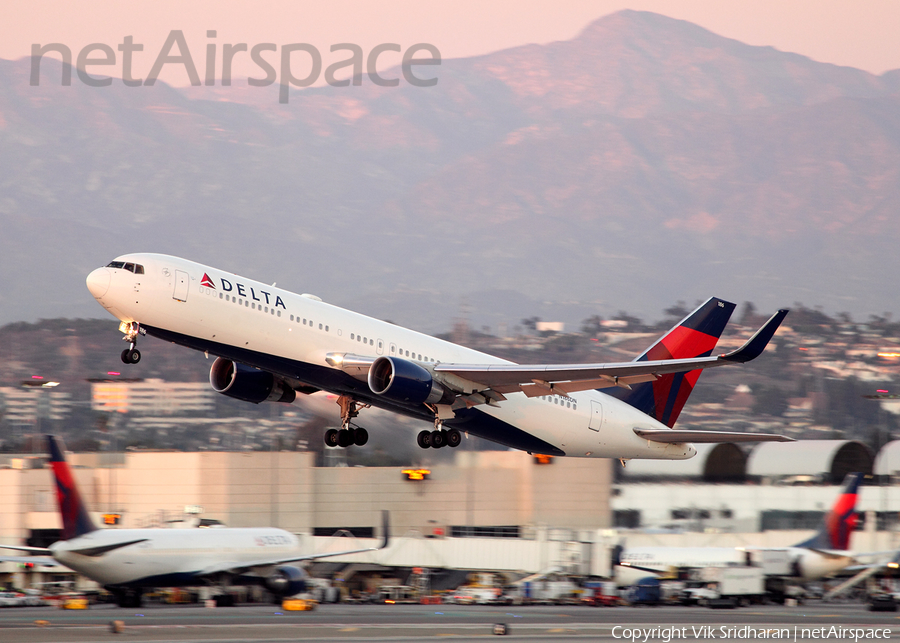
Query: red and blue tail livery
point(695, 336)
point(840, 522)
point(75, 518)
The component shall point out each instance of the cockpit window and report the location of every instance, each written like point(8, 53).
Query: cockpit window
point(136, 268)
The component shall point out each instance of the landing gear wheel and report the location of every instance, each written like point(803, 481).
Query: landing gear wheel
point(453, 438)
point(438, 439)
point(424, 439)
point(331, 438)
point(131, 356)
point(345, 438)
point(360, 437)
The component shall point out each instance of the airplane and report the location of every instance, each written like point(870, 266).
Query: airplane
point(271, 344)
point(824, 554)
point(128, 561)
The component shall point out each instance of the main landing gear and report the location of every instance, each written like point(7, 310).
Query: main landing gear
point(130, 355)
point(348, 435)
point(438, 438)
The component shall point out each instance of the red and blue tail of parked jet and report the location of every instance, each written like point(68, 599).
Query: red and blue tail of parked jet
point(75, 518)
point(695, 336)
point(839, 523)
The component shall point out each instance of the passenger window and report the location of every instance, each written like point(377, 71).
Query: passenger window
point(320, 326)
point(279, 313)
point(220, 296)
point(352, 336)
point(253, 306)
point(292, 318)
point(326, 327)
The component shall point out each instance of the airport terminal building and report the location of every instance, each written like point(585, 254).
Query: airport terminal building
point(484, 510)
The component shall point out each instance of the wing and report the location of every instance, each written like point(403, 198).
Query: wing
point(33, 550)
point(536, 380)
point(488, 383)
point(243, 566)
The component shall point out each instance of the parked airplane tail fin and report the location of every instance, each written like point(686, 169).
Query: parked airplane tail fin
point(695, 336)
point(75, 518)
point(839, 523)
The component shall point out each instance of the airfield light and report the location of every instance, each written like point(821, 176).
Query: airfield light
point(893, 565)
point(113, 373)
point(416, 474)
point(890, 355)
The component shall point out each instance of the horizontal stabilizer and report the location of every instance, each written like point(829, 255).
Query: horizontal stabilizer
point(673, 436)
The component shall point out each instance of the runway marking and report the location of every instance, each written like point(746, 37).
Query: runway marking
point(349, 629)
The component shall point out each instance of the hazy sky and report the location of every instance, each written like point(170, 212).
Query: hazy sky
point(858, 34)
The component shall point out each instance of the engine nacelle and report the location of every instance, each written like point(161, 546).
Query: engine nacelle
point(247, 383)
point(286, 581)
point(403, 381)
point(812, 565)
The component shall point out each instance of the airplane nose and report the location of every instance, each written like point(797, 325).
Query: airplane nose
point(98, 282)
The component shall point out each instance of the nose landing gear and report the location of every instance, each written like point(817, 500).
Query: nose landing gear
point(130, 355)
point(348, 435)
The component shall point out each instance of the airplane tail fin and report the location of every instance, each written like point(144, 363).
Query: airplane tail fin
point(695, 336)
point(839, 523)
point(75, 518)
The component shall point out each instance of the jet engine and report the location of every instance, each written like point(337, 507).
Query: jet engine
point(812, 565)
point(247, 383)
point(403, 381)
point(286, 581)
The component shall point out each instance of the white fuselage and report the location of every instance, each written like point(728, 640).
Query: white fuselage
point(251, 316)
point(809, 565)
point(170, 557)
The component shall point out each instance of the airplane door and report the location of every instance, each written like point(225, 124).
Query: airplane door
point(596, 416)
point(181, 285)
point(379, 346)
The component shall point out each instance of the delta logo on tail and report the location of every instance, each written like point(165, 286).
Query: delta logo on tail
point(695, 336)
point(840, 521)
point(206, 281)
point(75, 518)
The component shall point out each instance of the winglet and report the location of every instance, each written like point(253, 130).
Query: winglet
point(754, 346)
point(385, 528)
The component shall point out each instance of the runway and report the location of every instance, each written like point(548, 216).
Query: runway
point(461, 623)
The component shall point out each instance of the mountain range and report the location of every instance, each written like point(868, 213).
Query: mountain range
point(645, 161)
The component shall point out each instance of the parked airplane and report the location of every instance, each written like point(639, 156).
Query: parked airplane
point(826, 553)
point(128, 561)
point(272, 344)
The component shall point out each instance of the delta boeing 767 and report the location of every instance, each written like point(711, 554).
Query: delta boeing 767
point(271, 344)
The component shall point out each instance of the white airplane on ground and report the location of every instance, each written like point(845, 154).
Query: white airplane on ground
point(128, 561)
point(271, 344)
point(825, 554)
